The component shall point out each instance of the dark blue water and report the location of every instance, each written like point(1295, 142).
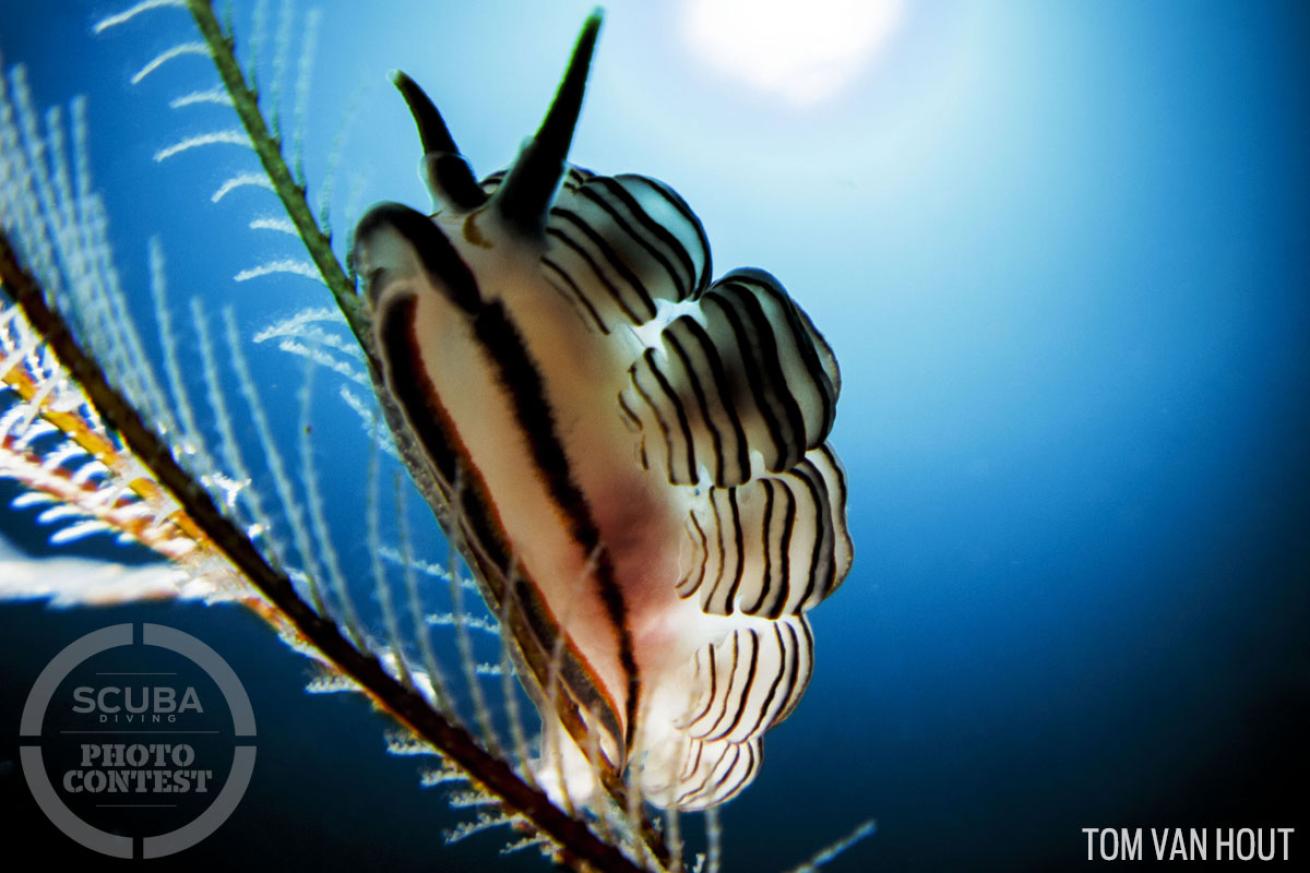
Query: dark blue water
point(1060, 251)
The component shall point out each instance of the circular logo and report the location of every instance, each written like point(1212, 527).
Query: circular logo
point(148, 735)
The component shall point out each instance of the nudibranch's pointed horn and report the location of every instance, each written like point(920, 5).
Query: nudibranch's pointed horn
point(526, 194)
point(450, 178)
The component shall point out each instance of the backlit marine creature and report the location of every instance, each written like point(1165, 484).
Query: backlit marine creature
point(637, 452)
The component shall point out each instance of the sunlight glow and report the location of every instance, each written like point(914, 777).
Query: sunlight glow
point(804, 51)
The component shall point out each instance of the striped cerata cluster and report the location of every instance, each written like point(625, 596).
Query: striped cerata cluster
point(636, 453)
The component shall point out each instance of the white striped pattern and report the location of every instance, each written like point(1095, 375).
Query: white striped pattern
point(728, 407)
point(747, 372)
point(774, 546)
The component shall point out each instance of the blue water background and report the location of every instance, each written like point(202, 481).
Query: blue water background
point(1060, 251)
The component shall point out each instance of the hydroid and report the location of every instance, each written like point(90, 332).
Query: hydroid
point(116, 444)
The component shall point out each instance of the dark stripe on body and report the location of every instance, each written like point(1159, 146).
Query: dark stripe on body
point(616, 191)
point(472, 505)
point(820, 555)
point(765, 542)
point(753, 368)
point(803, 331)
point(773, 688)
point(720, 374)
point(671, 340)
point(575, 291)
point(771, 359)
point(676, 201)
point(751, 669)
point(602, 245)
point(523, 383)
point(615, 294)
point(683, 423)
point(704, 557)
point(800, 683)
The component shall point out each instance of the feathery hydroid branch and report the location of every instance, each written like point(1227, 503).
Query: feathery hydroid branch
point(404, 703)
point(268, 146)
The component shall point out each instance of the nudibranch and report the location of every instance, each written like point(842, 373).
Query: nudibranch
point(635, 456)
